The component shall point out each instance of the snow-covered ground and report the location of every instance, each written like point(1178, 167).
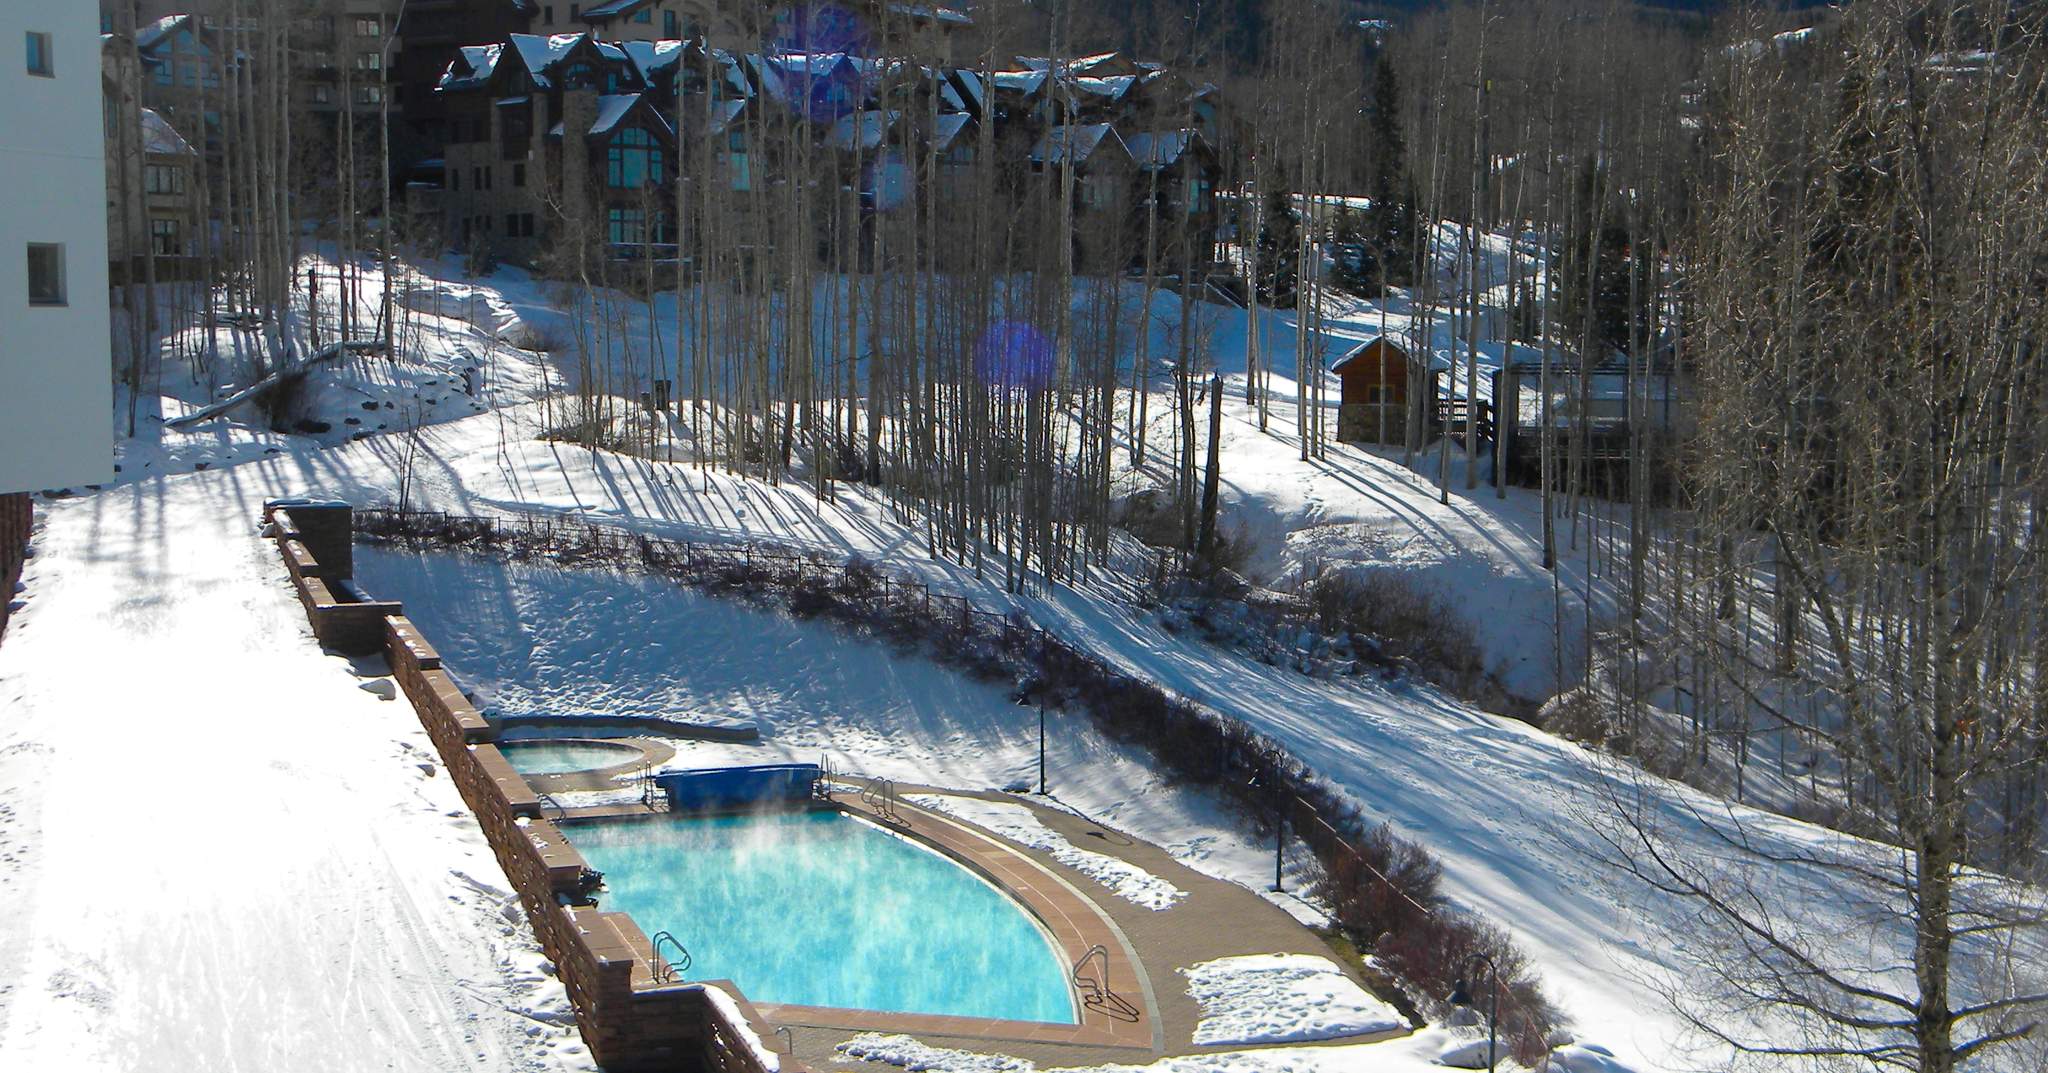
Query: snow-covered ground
point(336, 850)
point(1016, 823)
point(1282, 998)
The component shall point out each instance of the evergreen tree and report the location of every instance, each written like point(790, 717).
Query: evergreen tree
point(1279, 250)
point(1388, 230)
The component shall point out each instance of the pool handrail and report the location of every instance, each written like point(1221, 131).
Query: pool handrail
point(1095, 990)
point(665, 970)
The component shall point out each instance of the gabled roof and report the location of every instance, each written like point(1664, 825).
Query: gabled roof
point(651, 57)
point(162, 139)
point(871, 126)
point(613, 108)
point(540, 53)
point(1112, 88)
point(723, 115)
point(1024, 82)
point(612, 9)
point(471, 68)
point(1162, 149)
point(948, 128)
point(943, 15)
point(1359, 352)
point(1078, 141)
point(150, 36)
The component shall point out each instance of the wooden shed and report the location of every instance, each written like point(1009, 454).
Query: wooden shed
point(1374, 404)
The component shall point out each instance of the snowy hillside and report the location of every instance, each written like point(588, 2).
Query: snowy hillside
point(162, 578)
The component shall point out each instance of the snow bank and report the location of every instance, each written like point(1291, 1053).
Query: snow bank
point(730, 1010)
point(1283, 998)
point(1409, 1054)
point(1016, 823)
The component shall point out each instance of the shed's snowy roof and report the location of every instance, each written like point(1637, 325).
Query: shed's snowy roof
point(1084, 139)
point(159, 137)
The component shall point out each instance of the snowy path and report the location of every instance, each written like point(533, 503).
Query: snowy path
point(223, 853)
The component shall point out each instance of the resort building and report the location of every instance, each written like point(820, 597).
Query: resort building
point(55, 375)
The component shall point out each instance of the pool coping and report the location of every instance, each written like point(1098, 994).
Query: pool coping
point(653, 754)
point(1074, 922)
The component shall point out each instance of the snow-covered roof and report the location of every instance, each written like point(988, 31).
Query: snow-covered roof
point(948, 128)
point(1026, 82)
point(651, 56)
point(723, 113)
point(1161, 149)
point(152, 35)
point(872, 126)
point(539, 53)
point(611, 9)
point(971, 88)
point(1112, 88)
point(944, 15)
point(612, 108)
point(470, 68)
point(162, 139)
point(1084, 139)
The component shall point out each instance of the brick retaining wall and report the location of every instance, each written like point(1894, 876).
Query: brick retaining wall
point(17, 512)
point(629, 1020)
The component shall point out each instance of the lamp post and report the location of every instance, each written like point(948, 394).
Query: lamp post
point(1462, 1000)
point(1028, 693)
point(1279, 834)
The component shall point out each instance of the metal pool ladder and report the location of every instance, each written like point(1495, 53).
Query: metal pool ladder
point(651, 794)
point(880, 795)
point(1091, 978)
point(665, 969)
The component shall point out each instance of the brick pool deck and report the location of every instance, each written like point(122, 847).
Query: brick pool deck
point(1147, 948)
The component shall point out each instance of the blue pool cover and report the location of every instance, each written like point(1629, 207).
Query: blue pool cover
point(737, 787)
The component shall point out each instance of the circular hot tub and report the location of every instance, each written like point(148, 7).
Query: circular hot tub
point(562, 756)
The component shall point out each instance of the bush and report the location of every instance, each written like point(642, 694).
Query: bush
point(1408, 619)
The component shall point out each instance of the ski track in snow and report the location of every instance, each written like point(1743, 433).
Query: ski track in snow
point(1016, 823)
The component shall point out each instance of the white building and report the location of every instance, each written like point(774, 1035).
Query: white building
point(56, 406)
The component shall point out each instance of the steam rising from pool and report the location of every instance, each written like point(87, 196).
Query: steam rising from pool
point(821, 909)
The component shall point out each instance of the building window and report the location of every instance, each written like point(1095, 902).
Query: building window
point(633, 160)
point(322, 95)
point(628, 227)
point(163, 238)
point(526, 224)
point(670, 25)
point(369, 27)
point(643, 16)
point(39, 60)
point(454, 178)
point(487, 178)
point(575, 12)
point(369, 61)
point(518, 175)
point(370, 95)
point(45, 274)
point(1095, 194)
point(547, 15)
point(163, 179)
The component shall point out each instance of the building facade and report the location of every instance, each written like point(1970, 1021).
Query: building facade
point(55, 352)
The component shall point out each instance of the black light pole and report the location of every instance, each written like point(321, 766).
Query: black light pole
point(1041, 748)
point(1279, 834)
point(1460, 998)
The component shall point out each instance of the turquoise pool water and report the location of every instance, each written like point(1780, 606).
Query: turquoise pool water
point(541, 757)
point(821, 909)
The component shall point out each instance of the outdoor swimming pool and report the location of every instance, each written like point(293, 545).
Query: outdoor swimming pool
point(546, 757)
point(818, 908)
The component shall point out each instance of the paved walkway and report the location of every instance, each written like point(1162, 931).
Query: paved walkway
point(1217, 919)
